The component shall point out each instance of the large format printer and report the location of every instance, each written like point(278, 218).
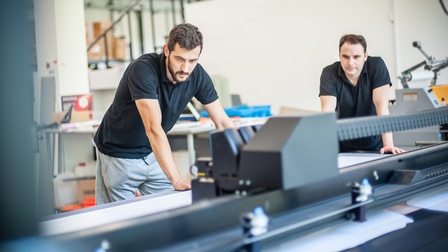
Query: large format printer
point(289, 168)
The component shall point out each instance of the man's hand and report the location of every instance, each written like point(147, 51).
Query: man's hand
point(391, 149)
point(181, 185)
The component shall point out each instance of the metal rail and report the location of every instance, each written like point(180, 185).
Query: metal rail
point(359, 127)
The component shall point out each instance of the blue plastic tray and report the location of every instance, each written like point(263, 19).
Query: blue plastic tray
point(246, 111)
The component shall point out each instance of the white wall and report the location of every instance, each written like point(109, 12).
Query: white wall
point(60, 45)
point(71, 48)
point(273, 51)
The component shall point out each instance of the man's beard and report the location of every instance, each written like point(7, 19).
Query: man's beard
point(173, 74)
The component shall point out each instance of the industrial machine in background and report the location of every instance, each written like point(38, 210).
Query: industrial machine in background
point(430, 64)
point(288, 167)
point(417, 99)
point(287, 152)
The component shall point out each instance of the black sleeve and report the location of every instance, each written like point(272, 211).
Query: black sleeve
point(142, 81)
point(379, 73)
point(327, 83)
point(206, 92)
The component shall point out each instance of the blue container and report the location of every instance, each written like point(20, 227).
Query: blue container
point(246, 111)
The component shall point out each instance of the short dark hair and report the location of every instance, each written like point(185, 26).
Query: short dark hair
point(186, 35)
point(353, 39)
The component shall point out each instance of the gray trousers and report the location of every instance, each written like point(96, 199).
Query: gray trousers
point(120, 178)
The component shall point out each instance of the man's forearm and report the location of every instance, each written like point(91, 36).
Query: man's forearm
point(162, 152)
point(225, 124)
point(387, 139)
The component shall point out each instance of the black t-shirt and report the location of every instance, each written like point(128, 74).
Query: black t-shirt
point(355, 101)
point(122, 133)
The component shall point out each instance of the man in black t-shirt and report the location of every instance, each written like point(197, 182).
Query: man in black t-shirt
point(357, 85)
point(134, 155)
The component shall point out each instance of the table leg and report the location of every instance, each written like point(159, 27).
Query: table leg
point(190, 147)
point(50, 170)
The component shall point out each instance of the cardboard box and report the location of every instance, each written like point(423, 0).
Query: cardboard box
point(96, 52)
point(82, 108)
point(77, 116)
point(120, 48)
point(86, 189)
point(65, 189)
point(98, 29)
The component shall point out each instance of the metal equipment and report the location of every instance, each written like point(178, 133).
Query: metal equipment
point(417, 99)
point(292, 190)
point(430, 64)
point(287, 151)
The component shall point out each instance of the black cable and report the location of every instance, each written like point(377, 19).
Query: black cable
point(443, 7)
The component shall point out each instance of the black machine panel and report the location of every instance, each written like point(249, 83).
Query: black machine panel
point(288, 152)
point(276, 156)
point(282, 155)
